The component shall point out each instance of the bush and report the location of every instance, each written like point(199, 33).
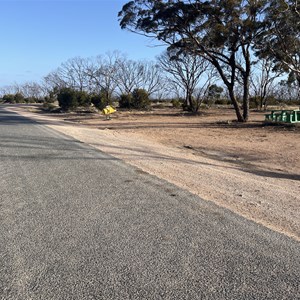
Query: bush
point(31, 100)
point(125, 101)
point(67, 99)
point(222, 102)
point(49, 106)
point(83, 98)
point(100, 100)
point(140, 99)
point(254, 102)
point(9, 98)
point(19, 98)
point(176, 103)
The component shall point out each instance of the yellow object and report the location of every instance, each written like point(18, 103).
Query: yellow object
point(108, 110)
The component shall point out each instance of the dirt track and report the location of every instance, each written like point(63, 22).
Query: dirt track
point(250, 169)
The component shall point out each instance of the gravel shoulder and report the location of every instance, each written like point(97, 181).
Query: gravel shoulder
point(251, 170)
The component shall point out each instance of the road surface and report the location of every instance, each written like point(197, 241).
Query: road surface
point(76, 223)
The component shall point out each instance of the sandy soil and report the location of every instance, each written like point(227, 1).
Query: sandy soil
point(251, 169)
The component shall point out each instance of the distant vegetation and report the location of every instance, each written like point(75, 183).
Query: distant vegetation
point(240, 53)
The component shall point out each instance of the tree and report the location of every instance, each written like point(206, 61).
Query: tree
point(132, 75)
point(263, 79)
point(281, 38)
point(102, 72)
point(223, 32)
point(214, 93)
point(287, 91)
point(186, 70)
point(71, 74)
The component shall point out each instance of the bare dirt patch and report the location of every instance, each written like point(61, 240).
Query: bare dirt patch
point(251, 169)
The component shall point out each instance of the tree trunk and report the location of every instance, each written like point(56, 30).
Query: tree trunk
point(246, 81)
point(236, 106)
point(246, 100)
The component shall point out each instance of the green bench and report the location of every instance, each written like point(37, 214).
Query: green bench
point(285, 116)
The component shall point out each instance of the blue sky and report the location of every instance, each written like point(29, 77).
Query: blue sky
point(38, 35)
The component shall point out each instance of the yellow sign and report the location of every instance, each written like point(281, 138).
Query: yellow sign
point(108, 110)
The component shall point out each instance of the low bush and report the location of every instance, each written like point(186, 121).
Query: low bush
point(125, 101)
point(176, 103)
point(100, 100)
point(67, 99)
point(140, 99)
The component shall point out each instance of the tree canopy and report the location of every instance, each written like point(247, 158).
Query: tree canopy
point(225, 33)
point(281, 38)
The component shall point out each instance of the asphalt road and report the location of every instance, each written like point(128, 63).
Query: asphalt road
point(76, 223)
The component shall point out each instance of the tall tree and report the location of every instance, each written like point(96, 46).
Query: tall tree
point(281, 39)
point(223, 32)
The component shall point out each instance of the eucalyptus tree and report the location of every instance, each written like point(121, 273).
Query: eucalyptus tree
point(220, 31)
point(281, 38)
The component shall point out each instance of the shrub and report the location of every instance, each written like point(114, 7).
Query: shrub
point(140, 99)
point(67, 99)
point(176, 103)
point(31, 100)
point(222, 102)
point(83, 98)
point(125, 101)
point(49, 106)
point(19, 98)
point(9, 98)
point(100, 100)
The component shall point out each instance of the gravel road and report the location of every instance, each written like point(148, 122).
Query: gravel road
point(76, 223)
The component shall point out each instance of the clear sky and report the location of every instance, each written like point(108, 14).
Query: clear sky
point(38, 35)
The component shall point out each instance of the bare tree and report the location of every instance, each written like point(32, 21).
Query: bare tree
point(54, 80)
point(102, 72)
point(263, 80)
point(138, 75)
point(151, 77)
point(201, 92)
point(186, 71)
point(73, 73)
point(32, 90)
point(287, 90)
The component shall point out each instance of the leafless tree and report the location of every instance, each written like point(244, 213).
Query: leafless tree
point(132, 75)
point(102, 72)
point(263, 80)
point(32, 90)
point(186, 71)
point(73, 73)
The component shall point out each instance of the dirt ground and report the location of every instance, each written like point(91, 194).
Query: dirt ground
point(251, 169)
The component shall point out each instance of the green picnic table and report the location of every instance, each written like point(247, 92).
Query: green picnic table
point(285, 116)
